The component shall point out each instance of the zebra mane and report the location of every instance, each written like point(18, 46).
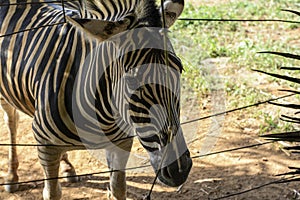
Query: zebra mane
point(146, 11)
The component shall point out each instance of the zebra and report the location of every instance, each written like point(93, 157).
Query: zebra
point(52, 74)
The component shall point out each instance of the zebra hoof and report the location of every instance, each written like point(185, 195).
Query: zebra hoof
point(109, 194)
point(54, 195)
point(12, 183)
point(11, 188)
point(70, 176)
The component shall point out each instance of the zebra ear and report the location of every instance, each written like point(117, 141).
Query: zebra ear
point(172, 10)
point(99, 28)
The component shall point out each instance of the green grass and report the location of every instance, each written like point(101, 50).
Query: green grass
point(198, 41)
point(240, 41)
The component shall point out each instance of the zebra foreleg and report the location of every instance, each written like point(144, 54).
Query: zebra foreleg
point(50, 159)
point(68, 170)
point(11, 119)
point(117, 158)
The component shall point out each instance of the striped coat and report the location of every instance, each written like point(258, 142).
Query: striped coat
point(80, 83)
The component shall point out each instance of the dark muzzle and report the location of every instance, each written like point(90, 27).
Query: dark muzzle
point(177, 172)
point(176, 162)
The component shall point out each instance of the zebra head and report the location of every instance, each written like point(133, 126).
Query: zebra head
point(152, 95)
point(144, 73)
point(150, 88)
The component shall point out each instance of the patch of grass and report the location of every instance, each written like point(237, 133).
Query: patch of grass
point(272, 124)
point(238, 40)
point(240, 94)
point(198, 41)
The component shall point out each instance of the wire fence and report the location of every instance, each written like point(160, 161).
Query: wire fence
point(240, 20)
point(148, 165)
point(183, 123)
point(138, 167)
point(284, 180)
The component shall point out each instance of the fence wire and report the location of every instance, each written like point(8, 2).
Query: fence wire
point(146, 166)
point(137, 167)
point(62, 2)
point(240, 20)
point(284, 180)
point(33, 3)
point(183, 123)
point(187, 122)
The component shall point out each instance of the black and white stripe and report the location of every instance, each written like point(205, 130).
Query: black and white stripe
point(80, 89)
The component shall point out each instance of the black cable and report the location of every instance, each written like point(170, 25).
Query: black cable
point(145, 166)
point(229, 150)
point(239, 20)
point(236, 109)
point(32, 3)
point(64, 12)
point(64, 146)
point(194, 157)
point(284, 180)
point(80, 175)
point(133, 168)
point(34, 28)
point(183, 123)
